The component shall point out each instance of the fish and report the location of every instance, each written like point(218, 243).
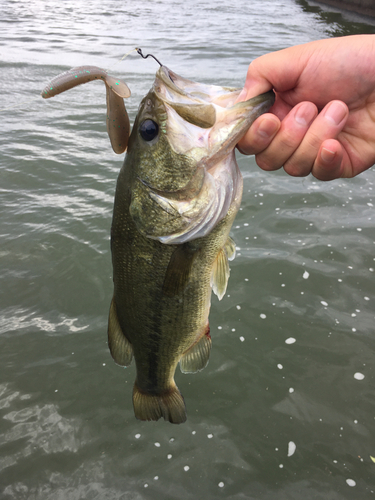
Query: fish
point(176, 198)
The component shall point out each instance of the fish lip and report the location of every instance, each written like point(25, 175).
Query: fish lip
point(164, 74)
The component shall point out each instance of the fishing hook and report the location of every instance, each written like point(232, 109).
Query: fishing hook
point(148, 55)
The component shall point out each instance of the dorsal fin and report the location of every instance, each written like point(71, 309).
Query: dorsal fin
point(121, 349)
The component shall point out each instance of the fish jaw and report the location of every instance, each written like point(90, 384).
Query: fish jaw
point(189, 207)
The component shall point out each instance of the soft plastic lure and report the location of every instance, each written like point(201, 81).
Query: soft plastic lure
point(118, 126)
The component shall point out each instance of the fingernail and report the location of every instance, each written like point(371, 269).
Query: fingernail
point(242, 96)
point(305, 115)
point(327, 155)
point(267, 128)
point(336, 112)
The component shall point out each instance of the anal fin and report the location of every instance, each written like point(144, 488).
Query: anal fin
point(196, 358)
point(119, 346)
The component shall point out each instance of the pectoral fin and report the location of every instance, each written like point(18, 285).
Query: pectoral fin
point(119, 346)
point(196, 358)
point(230, 248)
point(220, 274)
point(178, 270)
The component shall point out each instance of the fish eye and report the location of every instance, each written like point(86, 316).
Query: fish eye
point(149, 130)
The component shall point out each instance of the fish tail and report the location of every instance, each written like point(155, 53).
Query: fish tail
point(170, 405)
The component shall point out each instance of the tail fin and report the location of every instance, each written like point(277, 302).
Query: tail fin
point(170, 405)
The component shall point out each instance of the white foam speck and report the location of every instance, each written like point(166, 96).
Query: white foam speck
point(157, 445)
point(291, 448)
point(290, 340)
point(137, 436)
point(324, 303)
point(263, 316)
point(242, 339)
point(210, 436)
point(370, 204)
point(219, 327)
point(279, 366)
point(193, 432)
point(145, 485)
point(366, 298)
point(238, 307)
point(221, 484)
point(281, 466)
point(350, 482)
point(169, 456)
point(305, 275)
point(156, 478)
point(186, 468)
point(359, 229)
point(291, 390)
point(359, 376)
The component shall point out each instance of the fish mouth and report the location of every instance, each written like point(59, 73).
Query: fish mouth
point(205, 120)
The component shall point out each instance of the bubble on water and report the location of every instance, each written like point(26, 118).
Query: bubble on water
point(156, 478)
point(169, 456)
point(305, 275)
point(186, 468)
point(221, 484)
point(238, 307)
point(242, 339)
point(366, 298)
point(137, 436)
point(324, 303)
point(219, 327)
point(281, 466)
point(291, 390)
point(370, 204)
point(279, 366)
point(210, 436)
point(350, 482)
point(157, 445)
point(291, 448)
point(263, 316)
point(290, 340)
point(359, 376)
point(359, 229)
point(145, 485)
point(193, 432)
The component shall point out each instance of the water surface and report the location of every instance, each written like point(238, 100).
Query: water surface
point(285, 408)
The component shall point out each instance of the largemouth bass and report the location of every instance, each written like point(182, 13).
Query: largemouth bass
point(177, 195)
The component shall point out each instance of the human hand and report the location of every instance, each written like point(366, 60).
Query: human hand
point(323, 119)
